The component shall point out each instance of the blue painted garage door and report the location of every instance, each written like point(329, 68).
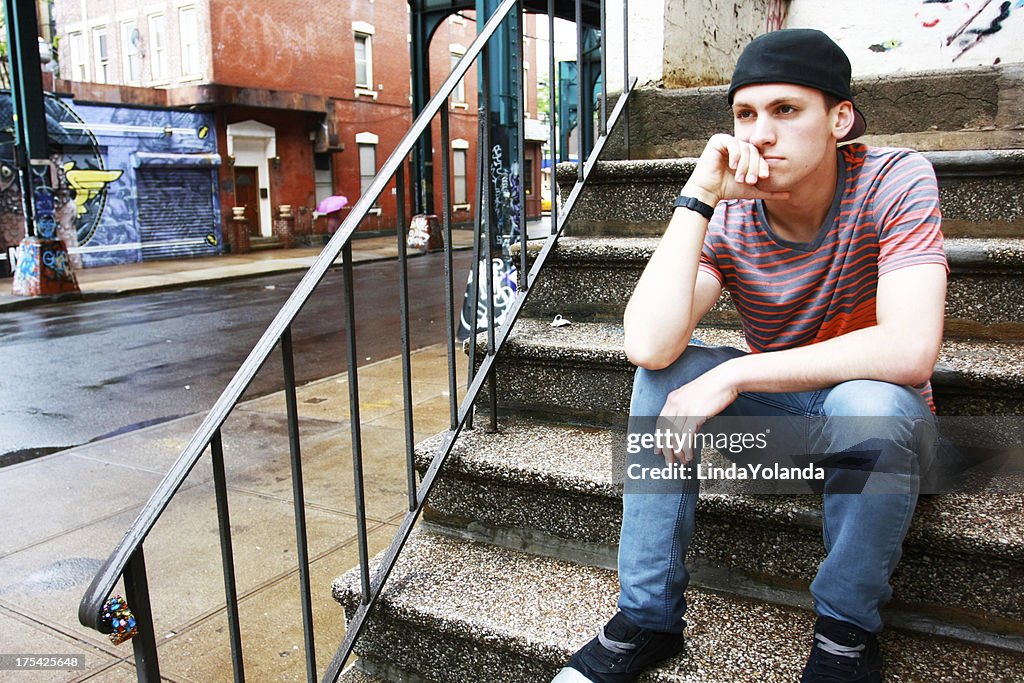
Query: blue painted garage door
point(177, 214)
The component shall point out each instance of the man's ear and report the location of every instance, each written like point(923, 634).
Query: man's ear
point(841, 118)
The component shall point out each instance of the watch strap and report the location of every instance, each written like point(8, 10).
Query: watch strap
point(694, 204)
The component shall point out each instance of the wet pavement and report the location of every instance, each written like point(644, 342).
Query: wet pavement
point(78, 371)
point(64, 512)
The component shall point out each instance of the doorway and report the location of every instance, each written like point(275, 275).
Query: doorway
point(247, 194)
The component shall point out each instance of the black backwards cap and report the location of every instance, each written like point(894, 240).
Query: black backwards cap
point(802, 56)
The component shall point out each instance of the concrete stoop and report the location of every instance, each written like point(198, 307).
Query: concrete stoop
point(512, 568)
point(581, 371)
point(457, 610)
point(589, 278)
point(982, 194)
point(549, 489)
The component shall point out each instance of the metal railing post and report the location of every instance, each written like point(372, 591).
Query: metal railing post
point(136, 591)
point(357, 439)
point(227, 555)
point(581, 144)
point(553, 115)
point(449, 305)
point(625, 73)
point(604, 70)
point(403, 313)
point(521, 132)
point(299, 502)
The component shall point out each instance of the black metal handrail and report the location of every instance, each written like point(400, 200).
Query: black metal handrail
point(127, 559)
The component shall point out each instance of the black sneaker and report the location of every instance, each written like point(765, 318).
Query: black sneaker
point(619, 653)
point(842, 653)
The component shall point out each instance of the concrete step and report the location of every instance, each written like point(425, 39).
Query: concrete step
point(945, 109)
point(550, 489)
point(982, 194)
point(588, 278)
point(580, 372)
point(355, 675)
point(456, 611)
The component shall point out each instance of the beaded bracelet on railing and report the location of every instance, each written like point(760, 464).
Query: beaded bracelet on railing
point(120, 619)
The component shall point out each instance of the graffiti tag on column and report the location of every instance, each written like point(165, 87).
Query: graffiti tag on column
point(505, 184)
point(503, 278)
point(42, 202)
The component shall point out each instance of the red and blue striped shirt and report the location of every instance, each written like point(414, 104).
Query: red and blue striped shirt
point(884, 216)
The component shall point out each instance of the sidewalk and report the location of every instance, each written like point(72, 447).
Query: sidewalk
point(111, 281)
point(65, 512)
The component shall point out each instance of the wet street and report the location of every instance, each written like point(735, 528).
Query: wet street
point(75, 372)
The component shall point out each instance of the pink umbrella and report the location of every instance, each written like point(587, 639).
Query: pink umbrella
point(330, 207)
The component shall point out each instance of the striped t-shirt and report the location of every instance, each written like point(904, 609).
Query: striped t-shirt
point(884, 216)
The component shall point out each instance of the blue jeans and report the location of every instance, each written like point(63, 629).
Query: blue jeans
point(863, 533)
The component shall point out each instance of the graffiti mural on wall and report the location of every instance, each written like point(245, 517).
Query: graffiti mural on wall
point(966, 24)
point(100, 153)
point(776, 15)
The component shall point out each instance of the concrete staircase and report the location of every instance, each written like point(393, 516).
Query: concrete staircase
point(512, 568)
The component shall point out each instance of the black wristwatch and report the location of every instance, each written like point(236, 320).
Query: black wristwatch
point(694, 204)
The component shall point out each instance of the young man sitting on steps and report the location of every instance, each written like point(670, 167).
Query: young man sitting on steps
point(834, 261)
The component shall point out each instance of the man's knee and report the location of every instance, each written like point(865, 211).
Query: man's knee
point(652, 387)
point(870, 398)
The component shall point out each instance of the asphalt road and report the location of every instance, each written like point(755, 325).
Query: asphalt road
point(76, 372)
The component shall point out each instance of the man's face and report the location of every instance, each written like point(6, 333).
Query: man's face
point(791, 127)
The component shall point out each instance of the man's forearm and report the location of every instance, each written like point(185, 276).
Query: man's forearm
point(660, 311)
point(871, 353)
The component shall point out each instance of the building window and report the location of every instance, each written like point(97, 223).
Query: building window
point(526, 88)
point(367, 144)
point(459, 195)
point(459, 94)
point(79, 57)
point(367, 166)
point(364, 61)
point(323, 176)
point(188, 28)
point(528, 177)
point(158, 47)
point(101, 54)
point(131, 39)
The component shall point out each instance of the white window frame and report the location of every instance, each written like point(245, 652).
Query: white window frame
point(157, 24)
point(526, 89)
point(370, 141)
point(190, 60)
point(323, 185)
point(460, 146)
point(129, 51)
point(363, 32)
point(459, 100)
point(78, 56)
point(101, 57)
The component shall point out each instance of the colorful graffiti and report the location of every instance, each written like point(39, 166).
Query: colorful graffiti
point(505, 186)
point(43, 269)
point(503, 279)
point(974, 22)
point(88, 184)
point(101, 155)
point(776, 16)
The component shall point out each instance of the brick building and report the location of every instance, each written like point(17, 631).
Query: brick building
point(308, 98)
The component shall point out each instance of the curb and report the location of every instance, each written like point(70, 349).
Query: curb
point(10, 302)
